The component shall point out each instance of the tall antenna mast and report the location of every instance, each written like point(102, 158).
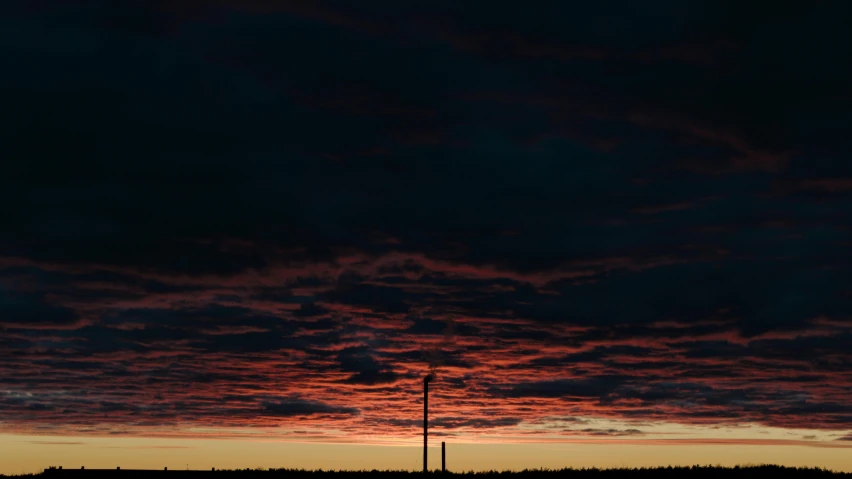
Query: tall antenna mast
point(426, 380)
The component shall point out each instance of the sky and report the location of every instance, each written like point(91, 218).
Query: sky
point(238, 233)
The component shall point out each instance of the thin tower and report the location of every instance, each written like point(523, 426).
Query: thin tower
point(426, 380)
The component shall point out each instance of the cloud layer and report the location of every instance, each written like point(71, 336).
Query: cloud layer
point(281, 214)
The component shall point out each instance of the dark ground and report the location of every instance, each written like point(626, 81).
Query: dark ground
point(774, 472)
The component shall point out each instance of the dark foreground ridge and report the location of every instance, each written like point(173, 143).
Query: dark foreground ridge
point(697, 472)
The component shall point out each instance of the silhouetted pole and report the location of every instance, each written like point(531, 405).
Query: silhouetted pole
point(426, 421)
point(443, 456)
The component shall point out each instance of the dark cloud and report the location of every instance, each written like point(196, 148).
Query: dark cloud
point(641, 216)
point(301, 407)
point(364, 367)
point(33, 310)
point(592, 387)
point(456, 422)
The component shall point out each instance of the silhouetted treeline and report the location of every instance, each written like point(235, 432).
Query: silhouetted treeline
point(693, 472)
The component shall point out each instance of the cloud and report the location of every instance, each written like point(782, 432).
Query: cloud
point(299, 407)
point(592, 387)
point(611, 432)
point(629, 221)
point(33, 311)
point(829, 184)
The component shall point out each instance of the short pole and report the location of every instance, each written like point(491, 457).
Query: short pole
point(443, 456)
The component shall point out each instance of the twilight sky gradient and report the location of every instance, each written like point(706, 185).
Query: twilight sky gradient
point(617, 225)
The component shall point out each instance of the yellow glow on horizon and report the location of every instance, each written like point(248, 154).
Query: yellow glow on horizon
point(29, 454)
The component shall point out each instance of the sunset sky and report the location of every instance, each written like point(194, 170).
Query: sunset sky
point(238, 233)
